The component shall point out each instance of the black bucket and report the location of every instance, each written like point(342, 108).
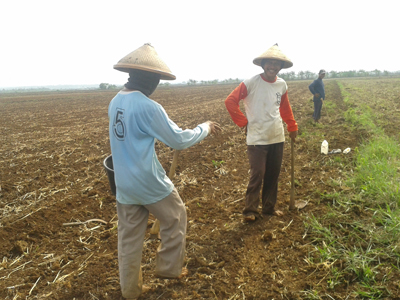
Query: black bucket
point(109, 167)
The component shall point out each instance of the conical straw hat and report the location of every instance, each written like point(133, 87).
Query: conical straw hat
point(274, 53)
point(145, 58)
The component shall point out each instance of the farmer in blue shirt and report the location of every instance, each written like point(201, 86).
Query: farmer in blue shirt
point(142, 186)
point(317, 88)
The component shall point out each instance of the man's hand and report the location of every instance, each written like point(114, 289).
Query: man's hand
point(215, 128)
point(316, 95)
point(293, 135)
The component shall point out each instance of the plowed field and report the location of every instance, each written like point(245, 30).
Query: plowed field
point(53, 190)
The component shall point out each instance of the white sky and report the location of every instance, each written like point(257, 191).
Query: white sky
point(78, 42)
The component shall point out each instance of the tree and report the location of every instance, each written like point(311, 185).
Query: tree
point(192, 82)
point(350, 73)
point(284, 76)
point(308, 74)
point(107, 86)
point(292, 75)
point(333, 74)
point(362, 73)
point(376, 72)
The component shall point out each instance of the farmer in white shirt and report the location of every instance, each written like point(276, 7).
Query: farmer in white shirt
point(266, 102)
point(142, 186)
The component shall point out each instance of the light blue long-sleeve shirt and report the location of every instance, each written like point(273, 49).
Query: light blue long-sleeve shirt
point(135, 122)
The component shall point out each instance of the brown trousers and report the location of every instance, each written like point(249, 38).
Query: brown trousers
point(132, 224)
point(265, 166)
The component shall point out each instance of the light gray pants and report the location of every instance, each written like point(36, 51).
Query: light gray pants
point(132, 224)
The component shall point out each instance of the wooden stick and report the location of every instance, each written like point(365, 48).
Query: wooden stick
point(27, 215)
point(156, 228)
point(34, 286)
point(292, 203)
point(81, 223)
point(174, 164)
point(156, 225)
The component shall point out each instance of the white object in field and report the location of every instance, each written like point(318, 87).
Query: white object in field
point(347, 150)
point(324, 147)
point(335, 151)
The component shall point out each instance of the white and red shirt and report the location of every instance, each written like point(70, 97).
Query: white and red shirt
point(266, 104)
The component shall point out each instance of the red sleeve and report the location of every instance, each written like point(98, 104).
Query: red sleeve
point(232, 105)
point(287, 114)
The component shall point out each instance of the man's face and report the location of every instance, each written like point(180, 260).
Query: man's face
point(271, 68)
point(322, 75)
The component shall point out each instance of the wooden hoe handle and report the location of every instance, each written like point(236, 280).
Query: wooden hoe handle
point(156, 225)
point(292, 202)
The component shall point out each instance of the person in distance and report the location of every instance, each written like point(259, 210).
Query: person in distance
point(317, 88)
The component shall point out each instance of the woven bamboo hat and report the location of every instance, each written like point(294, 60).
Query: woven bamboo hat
point(145, 58)
point(274, 53)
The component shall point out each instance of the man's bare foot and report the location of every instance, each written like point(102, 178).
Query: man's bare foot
point(276, 213)
point(145, 289)
point(184, 273)
point(249, 218)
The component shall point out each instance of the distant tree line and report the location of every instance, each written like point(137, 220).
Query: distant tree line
point(215, 81)
point(301, 75)
point(107, 86)
point(304, 75)
point(24, 89)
